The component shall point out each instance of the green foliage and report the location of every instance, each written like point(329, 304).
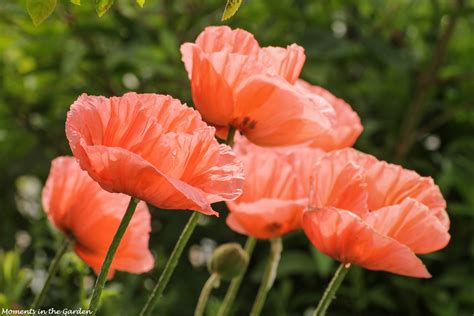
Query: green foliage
point(370, 53)
point(231, 8)
point(101, 6)
point(13, 279)
point(39, 10)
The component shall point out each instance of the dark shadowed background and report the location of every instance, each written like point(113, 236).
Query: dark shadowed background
point(406, 66)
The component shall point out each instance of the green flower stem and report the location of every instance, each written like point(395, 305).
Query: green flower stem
point(102, 278)
point(268, 276)
point(51, 272)
point(211, 283)
point(331, 290)
point(234, 286)
point(230, 136)
point(171, 264)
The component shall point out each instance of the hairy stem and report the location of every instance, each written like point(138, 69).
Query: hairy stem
point(171, 264)
point(104, 271)
point(51, 272)
point(211, 283)
point(230, 136)
point(268, 276)
point(331, 290)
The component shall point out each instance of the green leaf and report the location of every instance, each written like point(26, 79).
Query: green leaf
point(39, 10)
point(141, 3)
point(101, 6)
point(231, 8)
point(78, 2)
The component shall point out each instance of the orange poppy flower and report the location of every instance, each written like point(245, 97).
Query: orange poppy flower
point(237, 83)
point(374, 214)
point(81, 209)
point(276, 189)
point(347, 126)
point(152, 147)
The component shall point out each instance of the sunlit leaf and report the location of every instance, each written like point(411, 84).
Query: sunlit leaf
point(101, 6)
point(39, 10)
point(141, 3)
point(231, 8)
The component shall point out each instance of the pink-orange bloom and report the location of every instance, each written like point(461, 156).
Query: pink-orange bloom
point(82, 210)
point(237, 83)
point(375, 214)
point(152, 147)
point(347, 126)
point(276, 189)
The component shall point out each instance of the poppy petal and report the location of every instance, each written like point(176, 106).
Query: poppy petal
point(132, 254)
point(118, 170)
point(223, 38)
point(220, 39)
point(79, 207)
point(156, 137)
point(200, 161)
point(339, 183)
point(343, 236)
point(272, 112)
point(391, 184)
point(412, 224)
point(61, 193)
point(347, 126)
point(266, 218)
point(287, 62)
point(214, 79)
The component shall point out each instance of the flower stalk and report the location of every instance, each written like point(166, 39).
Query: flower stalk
point(211, 283)
point(234, 286)
point(230, 136)
point(51, 272)
point(102, 278)
point(330, 292)
point(171, 264)
point(268, 276)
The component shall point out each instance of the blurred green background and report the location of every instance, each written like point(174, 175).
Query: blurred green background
point(406, 66)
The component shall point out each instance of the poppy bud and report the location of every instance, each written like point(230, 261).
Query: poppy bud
point(228, 261)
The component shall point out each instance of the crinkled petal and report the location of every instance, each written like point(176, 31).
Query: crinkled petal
point(276, 172)
point(390, 184)
point(266, 218)
point(201, 162)
point(347, 126)
point(276, 188)
point(220, 39)
point(157, 137)
point(78, 206)
point(339, 183)
point(343, 236)
point(287, 62)
point(412, 224)
point(118, 170)
point(269, 174)
point(223, 38)
point(269, 111)
point(215, 77)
